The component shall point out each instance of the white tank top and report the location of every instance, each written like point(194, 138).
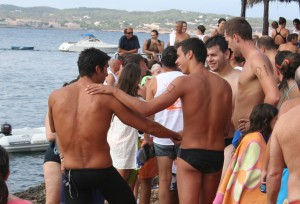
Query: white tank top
point(201, 37)
point(171, 117)
point(114, 75)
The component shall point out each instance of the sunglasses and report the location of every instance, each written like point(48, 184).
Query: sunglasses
point(129, 33)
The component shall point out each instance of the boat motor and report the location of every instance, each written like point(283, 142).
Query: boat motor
point(6, 129)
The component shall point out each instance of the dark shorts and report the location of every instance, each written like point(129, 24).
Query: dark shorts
point(206, 161)
point(166, 150)
point(80, 184)
point(228, 141)
point(51, 153)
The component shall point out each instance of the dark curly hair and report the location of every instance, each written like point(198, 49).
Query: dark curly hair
point(169, 57)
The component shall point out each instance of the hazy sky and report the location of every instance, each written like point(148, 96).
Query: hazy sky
point(230, 7)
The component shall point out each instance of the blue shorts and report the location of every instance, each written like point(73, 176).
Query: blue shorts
point(166, 150)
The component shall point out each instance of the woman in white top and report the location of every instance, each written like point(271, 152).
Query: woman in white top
point(200, 33)
point(123, 139)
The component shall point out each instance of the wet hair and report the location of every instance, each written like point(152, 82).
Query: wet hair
point(280, 56)
point(169, 57)
point(89, 59)
point(260, 120)
point(217, 41)
point(71, 82)
point(133, 58)
point(220, 20)
point(129, 79)
point(196, 46)
point(201, 28)
point(291, 37)
point(266, 42)
point(154, 31)
point(281, 20)
point(239, 26)
point(288, 69)
point(4, 171)
point(274, 24)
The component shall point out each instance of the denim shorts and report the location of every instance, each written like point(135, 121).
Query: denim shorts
point(166, 150)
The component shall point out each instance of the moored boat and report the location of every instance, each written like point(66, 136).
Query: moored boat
point(23, 139)
point(88, 40)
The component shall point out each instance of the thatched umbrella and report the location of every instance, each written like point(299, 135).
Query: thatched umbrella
point(250, 3)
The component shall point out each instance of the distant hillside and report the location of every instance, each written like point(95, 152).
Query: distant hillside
point(110, 19)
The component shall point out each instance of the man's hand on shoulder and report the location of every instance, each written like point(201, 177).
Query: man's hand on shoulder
point(100, 89)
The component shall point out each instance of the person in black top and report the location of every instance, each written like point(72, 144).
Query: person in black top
point(128, 43)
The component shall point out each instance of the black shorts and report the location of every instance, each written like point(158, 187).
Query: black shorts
point(206, 161)
point(51, 153)
point(80, 184)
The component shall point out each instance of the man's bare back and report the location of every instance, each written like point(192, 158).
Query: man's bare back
point(283, 150)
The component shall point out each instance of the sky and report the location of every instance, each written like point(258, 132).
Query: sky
point(229, 7)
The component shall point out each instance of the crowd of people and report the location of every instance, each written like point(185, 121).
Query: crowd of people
point(220, 111)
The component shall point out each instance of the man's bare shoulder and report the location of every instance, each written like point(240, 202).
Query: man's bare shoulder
point(289, 104)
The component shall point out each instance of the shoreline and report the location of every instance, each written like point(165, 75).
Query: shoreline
point(162, 31)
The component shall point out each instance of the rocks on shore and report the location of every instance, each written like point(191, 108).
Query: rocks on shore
point(38, 195)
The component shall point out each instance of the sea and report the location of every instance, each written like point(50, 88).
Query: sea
point(26, 80)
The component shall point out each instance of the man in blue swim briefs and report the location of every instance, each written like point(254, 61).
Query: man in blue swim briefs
point(256, 82)
point(81, 122)
point(206, 115)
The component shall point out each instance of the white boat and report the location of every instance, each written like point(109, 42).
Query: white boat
point(25, 140)
point(88, 41)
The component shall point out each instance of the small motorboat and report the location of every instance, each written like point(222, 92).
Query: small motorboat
point(21, 48)
point(23, 139)
point(88, 40)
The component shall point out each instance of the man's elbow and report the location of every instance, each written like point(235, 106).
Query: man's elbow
point(273, 99)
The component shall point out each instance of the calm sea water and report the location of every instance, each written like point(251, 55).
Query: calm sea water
point(26, 80)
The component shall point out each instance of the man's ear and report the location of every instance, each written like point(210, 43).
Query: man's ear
point(227, 54)
point(190, 54)
point(236, 38)
point(98, 69)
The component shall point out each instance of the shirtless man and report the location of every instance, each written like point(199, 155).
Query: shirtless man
point(153, 46)
point(80, 122)
point(178, 35)
point(280, 34)
point(256, 82)
point(112, 73)
point(200, 157)
point(218, 60)
point(291, 44)
point(283, 151)
point(266, 44)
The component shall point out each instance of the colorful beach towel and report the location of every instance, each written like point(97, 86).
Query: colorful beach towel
point(242, 178)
